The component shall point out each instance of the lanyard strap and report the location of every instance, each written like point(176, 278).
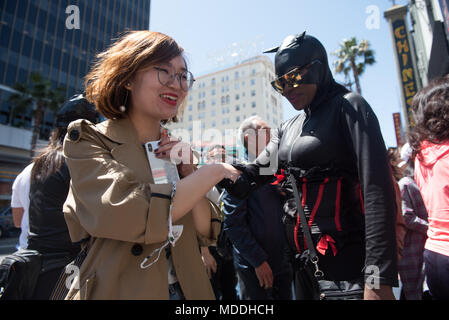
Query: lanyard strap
point(305, 228)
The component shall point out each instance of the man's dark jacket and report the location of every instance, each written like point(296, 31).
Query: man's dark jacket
point(255, 228)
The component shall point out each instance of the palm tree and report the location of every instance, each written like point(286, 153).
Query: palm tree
point(348, 54)
point(38, 95)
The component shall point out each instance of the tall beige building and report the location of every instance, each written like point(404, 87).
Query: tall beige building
point(219, 101)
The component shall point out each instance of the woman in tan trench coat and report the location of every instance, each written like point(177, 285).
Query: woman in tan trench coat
point(138, 83)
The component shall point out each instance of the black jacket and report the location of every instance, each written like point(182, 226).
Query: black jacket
point(48, 229)
point(336, 151)
point(255, 228)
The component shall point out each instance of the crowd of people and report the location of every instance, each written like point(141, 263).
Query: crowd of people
point(318, 209)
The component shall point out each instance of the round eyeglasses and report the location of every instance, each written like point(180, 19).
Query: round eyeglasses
point(166, 78)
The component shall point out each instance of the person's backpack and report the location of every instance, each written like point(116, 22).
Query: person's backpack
point(19, 273)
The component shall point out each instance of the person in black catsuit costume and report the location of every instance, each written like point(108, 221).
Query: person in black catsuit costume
point(337, 154)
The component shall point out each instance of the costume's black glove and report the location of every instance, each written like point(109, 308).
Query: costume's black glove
point(247, 182)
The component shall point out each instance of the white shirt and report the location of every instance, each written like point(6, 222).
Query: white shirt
point(20, 198)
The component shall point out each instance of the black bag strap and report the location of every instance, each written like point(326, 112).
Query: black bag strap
point(305, 228)
point(61, 289)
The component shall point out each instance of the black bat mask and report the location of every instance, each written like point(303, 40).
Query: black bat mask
point(299, 51)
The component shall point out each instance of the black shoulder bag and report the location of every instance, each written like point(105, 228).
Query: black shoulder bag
point(310, 278)
point(19, 273)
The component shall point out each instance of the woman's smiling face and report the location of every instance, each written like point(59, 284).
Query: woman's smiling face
point(149, 97)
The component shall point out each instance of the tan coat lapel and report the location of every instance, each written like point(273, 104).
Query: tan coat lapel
point(129, 151)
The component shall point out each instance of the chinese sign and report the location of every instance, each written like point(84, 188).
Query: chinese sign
point(407, 74)
point(444, 4)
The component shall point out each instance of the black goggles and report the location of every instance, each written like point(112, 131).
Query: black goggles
point(293, 78)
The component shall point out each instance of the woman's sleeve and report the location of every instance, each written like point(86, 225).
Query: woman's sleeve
point(216, 222)
point(106, 198)
point(411, 207)
point(363, 134)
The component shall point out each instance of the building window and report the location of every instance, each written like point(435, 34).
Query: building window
point(237, 118)
point(237, 96)
point(253, 93)
point(213, 113)
point(213, 102)
point(190, 117)
point(213, 81)
point(223, 100)
point(213, 92)
point(253, 72)
point(236, 86)
point(190, 107)
point(253, 104)
point(236, 75)
point(227, 99)
point(237, 108)
point(253, 82)
point(213, 123)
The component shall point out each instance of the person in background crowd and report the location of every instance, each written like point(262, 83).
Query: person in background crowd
point(393, 156)
point(20, 202)
point(256, 230)
point(429, 140)
point(218, 259)
point(139, 83)
point(50, 180)
point(411, 266)
point(336, 154)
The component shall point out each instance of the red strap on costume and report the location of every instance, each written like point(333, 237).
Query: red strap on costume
point(314, 211)
point(337, 205)
point(361, 199)
point(318, 201)
point(279, 177)
point(323, 245)
point(303, 203)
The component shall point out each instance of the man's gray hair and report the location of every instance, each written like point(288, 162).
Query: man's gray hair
point(248, 123)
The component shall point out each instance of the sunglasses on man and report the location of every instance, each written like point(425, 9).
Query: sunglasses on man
point(293, 78)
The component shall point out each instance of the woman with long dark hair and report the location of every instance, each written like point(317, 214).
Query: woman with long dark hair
point(429, 140)
point(50, 180)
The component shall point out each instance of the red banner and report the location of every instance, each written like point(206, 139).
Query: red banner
point(397, 128)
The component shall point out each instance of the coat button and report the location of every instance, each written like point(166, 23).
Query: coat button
point(137, 249)
point(74, 135)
